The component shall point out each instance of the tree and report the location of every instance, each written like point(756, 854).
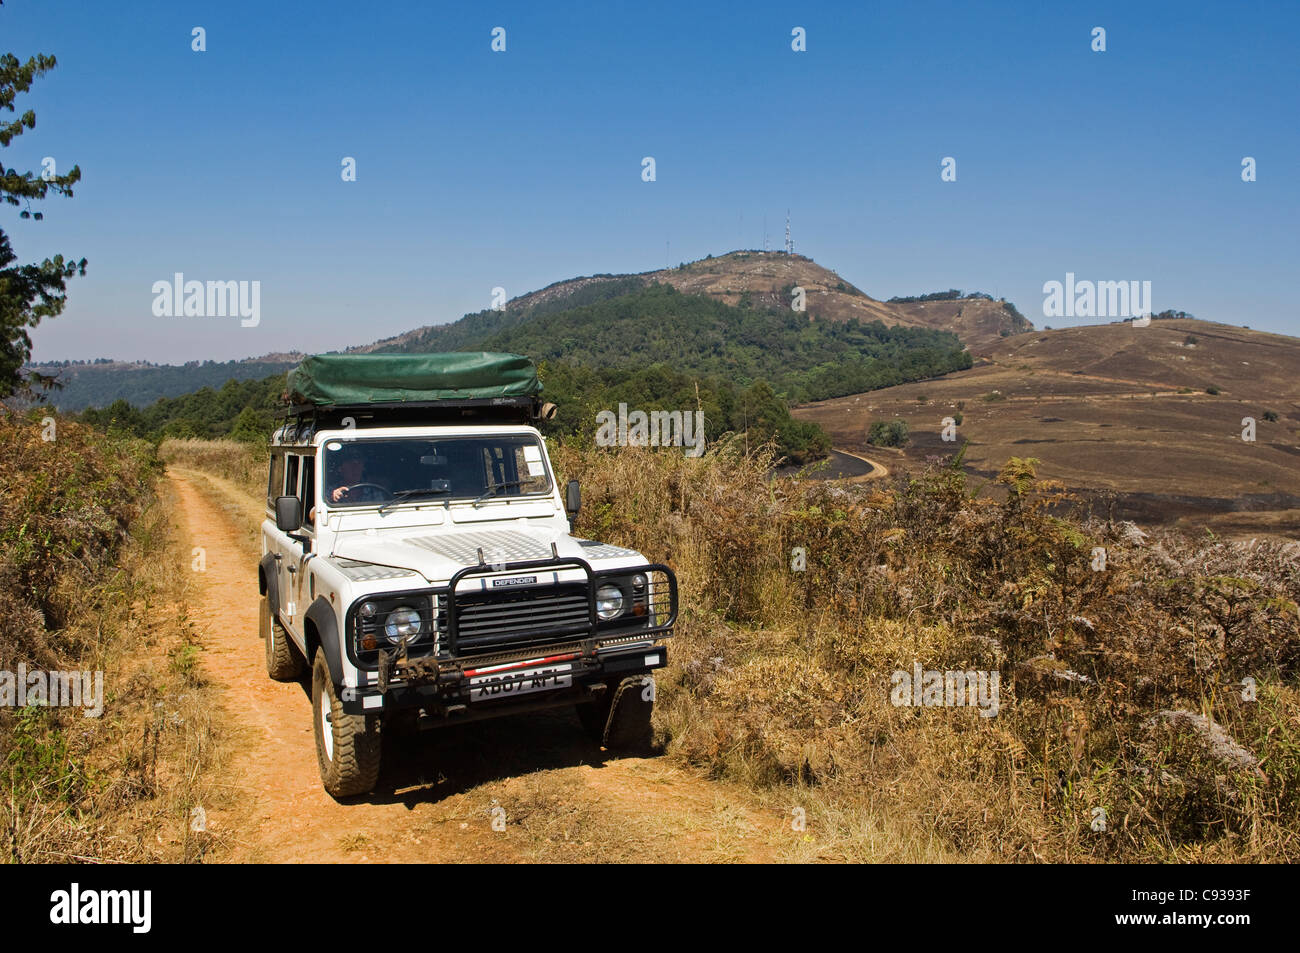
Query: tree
point(28, 293)
point(249, 427)
point(117, 416)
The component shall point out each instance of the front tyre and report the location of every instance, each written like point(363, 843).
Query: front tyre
point(594, 715)
point(283, 663)
point(622, 720)
point(348, 747)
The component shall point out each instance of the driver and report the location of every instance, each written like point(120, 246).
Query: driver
point(349, 473)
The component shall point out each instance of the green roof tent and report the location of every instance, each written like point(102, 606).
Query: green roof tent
point(359, 380)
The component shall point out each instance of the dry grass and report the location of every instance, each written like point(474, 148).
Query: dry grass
point(243, 464)
point(782, 678)
point(104, 579)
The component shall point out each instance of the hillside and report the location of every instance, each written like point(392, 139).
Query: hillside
point(760, 280)
point(99, 383)
point(741, 281)
point(1116, 408)
point(698, 334)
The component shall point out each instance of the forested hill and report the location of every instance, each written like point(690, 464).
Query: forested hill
point(801, 358)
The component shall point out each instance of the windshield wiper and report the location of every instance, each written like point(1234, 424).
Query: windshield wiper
point(492, 490)
point(403, 495)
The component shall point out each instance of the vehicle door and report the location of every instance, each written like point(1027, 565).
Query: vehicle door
point(288, 552)
point(301, 553)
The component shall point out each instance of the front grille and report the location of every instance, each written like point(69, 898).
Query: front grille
point(497, 622)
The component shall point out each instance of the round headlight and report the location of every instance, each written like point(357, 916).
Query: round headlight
point(402, 625)
point(609, 602)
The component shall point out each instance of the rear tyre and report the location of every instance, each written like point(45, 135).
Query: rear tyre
point(283, 663)
point(348, 747)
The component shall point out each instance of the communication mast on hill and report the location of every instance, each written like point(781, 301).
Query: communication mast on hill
point(789, 245)
point(765, 246)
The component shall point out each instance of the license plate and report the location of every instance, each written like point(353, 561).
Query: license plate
point(507, 684)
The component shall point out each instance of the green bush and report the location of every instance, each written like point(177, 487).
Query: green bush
point(891, 433)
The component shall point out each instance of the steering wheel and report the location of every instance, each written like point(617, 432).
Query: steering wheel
point(374, 493)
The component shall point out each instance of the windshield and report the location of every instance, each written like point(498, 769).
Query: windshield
point(362, 472)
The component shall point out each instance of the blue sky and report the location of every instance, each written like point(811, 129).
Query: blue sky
point(478, 169)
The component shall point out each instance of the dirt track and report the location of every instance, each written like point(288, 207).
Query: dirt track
point(563, 798)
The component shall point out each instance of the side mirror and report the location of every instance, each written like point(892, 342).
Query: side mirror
point(288, 514)
point(572, 499)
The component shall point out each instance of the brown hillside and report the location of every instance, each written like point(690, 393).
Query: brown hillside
point(982, 325)
point(1116, 407)
point(766, 276)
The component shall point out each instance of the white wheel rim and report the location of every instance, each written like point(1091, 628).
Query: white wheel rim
point(326, 729)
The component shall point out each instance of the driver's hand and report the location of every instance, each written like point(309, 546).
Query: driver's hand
point(339, 493)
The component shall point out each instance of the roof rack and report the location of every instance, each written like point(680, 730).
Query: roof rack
point(511, 408)
point(302, 421)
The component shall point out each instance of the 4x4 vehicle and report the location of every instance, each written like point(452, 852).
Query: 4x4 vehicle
point(418, 561)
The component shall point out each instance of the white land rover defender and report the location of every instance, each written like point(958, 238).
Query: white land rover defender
point(417, 558)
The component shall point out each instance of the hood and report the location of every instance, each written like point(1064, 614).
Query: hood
point(438, 556)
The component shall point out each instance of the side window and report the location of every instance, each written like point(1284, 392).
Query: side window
point(276, 479)
point(308, 494)
point(291, 475)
